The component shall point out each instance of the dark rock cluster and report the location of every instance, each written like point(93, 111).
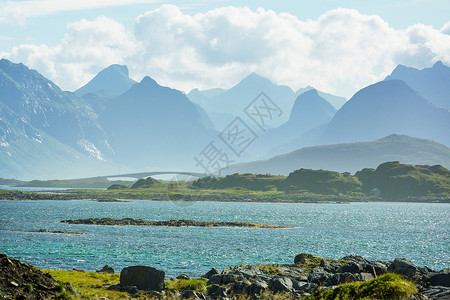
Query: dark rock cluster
point(170, 223)
point(20, 280)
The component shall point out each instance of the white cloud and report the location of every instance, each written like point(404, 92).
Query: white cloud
point(340, 52)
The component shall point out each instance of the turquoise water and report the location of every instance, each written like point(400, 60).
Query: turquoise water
point(383, 231)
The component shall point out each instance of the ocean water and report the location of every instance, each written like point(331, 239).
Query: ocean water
point(376, 231)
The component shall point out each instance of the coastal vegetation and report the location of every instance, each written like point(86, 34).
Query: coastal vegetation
point(390, 181)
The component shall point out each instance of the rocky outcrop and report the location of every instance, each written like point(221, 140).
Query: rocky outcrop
point(20, 280)
point(106, 269)
point(170, 223)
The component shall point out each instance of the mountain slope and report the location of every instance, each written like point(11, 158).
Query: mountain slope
point(29, 153)
point(42, 104)
point(336, 101)
point(384, 108)
point(352, 157)
point(432, 83)
point(111, 81)
point(151, 126)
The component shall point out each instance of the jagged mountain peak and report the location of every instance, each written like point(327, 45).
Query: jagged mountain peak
point(113, 80)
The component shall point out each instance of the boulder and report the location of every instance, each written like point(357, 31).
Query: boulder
point(106, 269)
point(215, 279)
point(438, 278)
point(143, 277)
point(217, 291)
point(281, 284)
point(257, 288)
point(404, 267)
point(351, 267)
point(304, 258)
point(318, 278)
point(240, 287)
point(210, 273)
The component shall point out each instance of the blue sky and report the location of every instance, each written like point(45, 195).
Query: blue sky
point(336, 46)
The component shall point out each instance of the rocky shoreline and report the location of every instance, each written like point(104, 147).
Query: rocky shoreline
point(183, 198)
point(309, 278)
point(169, 223)
point(305, 279)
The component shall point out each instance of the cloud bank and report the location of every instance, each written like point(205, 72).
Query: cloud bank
point(340, 52)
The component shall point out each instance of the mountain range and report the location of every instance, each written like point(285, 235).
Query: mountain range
point(351, 157)
point(115, 124)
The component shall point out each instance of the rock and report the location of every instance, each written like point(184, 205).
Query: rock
point(20, 280)
point(351, 267)
point(318, 277)
point(215, 279)
point(298, 285)
point(281, 284)
point(340, 278)
point(376, 268)
point(218, 291)
point(183, 276)
point(143, 277)
point(302, 278)
point(210, 273)
point(437, 292)
point(404, 267)
point(192, 295)
point(438, 278)
point(228, 278)
point(366, 276)
point(240, 287)
point(304, 258)
point(106, 269)
point(257, 288)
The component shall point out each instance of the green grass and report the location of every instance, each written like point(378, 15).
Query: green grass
point(89, 284)
point(385, 287)
point(198, 285)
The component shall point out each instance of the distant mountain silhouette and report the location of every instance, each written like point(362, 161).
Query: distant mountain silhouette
point(112, 81)
point(384, 108)
point(336, 101)
point(223, 106)
point(351, 157)
point(42, 104)
point(310, 111)
point(432, 83)
point(151, 126)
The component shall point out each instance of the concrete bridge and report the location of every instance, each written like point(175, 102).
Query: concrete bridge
point(148, 174)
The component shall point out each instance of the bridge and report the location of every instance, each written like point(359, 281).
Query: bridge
point(148, 174)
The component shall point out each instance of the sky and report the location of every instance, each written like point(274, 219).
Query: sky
point(334, 46)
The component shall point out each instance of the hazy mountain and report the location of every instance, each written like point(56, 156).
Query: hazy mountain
point(42, 104)
point(432, 83)
point(29, 153)
point(310, 111)
point(151, 127)
point(336, 101)
point(351, 157)
point(112, 81)
point(232, 102)
point(384, 108)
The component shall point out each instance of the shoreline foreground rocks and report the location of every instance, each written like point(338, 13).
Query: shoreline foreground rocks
point(309, 277)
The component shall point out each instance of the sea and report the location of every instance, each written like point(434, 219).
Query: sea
point(419, 232)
